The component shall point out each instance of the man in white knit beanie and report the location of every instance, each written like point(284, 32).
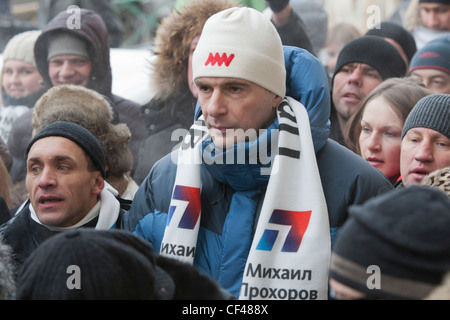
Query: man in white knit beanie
point(230, 56)
point(241, 199)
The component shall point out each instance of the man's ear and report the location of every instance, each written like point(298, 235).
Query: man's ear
point(276, 101)
point(99, 184)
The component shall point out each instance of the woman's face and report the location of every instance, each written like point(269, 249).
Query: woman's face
point(380, 138)
point(20, 79)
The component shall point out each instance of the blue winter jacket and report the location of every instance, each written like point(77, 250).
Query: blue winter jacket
point(232, 194)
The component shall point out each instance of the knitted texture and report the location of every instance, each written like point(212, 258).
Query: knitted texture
point(376, 52)
point(432, 112)
point(397, 33)
point(21, 46)
point(80, 136)
point(434, 55)
point(252, 57)
point(404, 234)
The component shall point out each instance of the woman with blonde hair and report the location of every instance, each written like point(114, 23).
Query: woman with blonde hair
point(374, 131)
point(21, 82)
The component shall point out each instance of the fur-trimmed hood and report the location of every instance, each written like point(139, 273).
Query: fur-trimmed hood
point(7, 272)
point(172, 45)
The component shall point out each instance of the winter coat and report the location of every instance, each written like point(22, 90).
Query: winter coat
point(94, 32)
point(164, 116)
point(293, 33)
point(24, 235)
point(226, 213)
point(5, 215)
point(7, 271)
point(230, 211)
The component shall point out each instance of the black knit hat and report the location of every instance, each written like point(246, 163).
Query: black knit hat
point(82, 137)
point(376, 52)
point(111, 264)
point(397, 33)
point(435, 54)
point(402, 234)
point(432, 112)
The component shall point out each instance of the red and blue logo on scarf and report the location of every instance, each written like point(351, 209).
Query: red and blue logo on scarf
point(192, 212)
point(298, 220)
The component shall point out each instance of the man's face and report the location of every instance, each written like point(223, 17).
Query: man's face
point(351, 85)
point(61, 187)
point(70, 69)
point(230, 104)
point(436, 80)
point(435, 16)
point(423, 151)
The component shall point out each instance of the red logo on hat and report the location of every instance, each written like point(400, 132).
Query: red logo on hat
point(219, 59)
point(429, 54)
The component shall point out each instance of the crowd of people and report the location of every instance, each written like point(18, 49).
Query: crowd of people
point(256, 171)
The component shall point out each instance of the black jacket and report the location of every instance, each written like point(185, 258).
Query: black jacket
point(24, 235)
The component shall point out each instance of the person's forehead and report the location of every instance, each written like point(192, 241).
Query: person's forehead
point(17, 64)
point(431, 71)
point(68, 57)
point(361, 65)
point(433, 5)
point(426, 132)
point(223, 81)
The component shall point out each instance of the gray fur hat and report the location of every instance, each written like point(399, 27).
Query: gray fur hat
point(7, 272)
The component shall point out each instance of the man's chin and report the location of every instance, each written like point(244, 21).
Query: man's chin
point(222, 143)
point(410, 181)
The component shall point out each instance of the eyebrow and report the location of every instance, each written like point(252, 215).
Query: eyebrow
point(57, 159)
point(384, 127)
point(231, 82)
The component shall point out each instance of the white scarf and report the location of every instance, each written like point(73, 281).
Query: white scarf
point(290, 254)
point(107, 209)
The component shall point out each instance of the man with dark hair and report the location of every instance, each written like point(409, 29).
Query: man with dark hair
point(66, 186)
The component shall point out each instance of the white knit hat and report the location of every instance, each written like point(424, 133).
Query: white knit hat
point(241, 43)
point(21, 47)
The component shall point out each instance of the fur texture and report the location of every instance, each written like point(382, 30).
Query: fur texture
point(172, 44)
point(439, 179)
point(89, 109)
point(7, 282)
